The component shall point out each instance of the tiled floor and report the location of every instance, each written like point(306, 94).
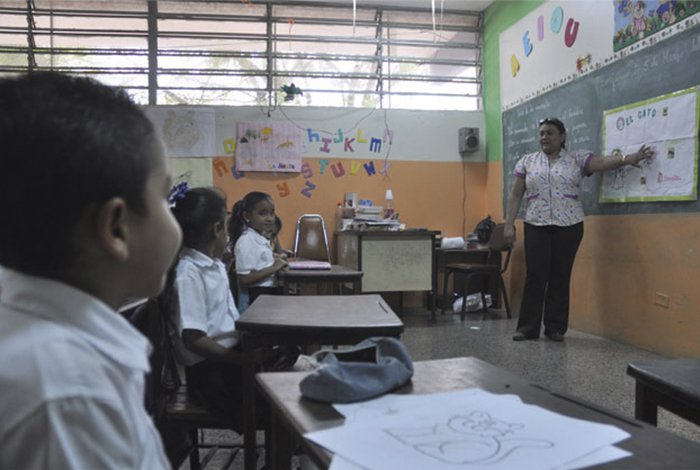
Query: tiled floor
point(583, 365)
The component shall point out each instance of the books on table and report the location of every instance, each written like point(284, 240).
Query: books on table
point(308, 264)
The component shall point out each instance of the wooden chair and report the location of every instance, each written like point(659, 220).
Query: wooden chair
point(179, 420)
point(494, 268)
point(311, 240)
point(181, 413)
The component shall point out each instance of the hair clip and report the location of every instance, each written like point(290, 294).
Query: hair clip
point(177, 192)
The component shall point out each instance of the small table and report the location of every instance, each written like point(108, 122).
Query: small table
point(671, 384)
point(307, 319)
point(337, 275)
point(292, 415)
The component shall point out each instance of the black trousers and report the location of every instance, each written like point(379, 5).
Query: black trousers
point(549, 256)
point(218, 386)
point(254, 292)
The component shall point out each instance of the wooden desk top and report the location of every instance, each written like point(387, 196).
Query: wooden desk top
point(652, 448)
point(343, 315)
point(336, 271)
point(678, 378)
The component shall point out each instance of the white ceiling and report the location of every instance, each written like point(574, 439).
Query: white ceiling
point(462, 5)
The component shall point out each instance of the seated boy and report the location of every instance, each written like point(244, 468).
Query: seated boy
point(85, 226)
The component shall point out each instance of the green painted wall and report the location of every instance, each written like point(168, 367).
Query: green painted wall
point(497, 18)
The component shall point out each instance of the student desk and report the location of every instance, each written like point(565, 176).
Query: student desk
point(303, 320)
point(336, 275)
point(391, 261)
point(317, 319)
point(292, 415)
point(673, 384)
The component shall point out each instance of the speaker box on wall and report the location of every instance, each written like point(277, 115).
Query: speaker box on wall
point(468, 139)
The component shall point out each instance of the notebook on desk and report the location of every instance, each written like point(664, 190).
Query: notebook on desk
point(308, 264)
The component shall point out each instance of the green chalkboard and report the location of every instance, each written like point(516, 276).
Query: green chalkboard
point(668, 66)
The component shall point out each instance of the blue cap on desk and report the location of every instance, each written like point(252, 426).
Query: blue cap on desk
point(371, 368)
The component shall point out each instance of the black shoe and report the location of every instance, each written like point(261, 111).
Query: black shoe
point(558, 337)
point(520, 336)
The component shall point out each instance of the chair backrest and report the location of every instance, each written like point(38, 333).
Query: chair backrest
point(163, 380)
point(497, 244)
point(311, 241)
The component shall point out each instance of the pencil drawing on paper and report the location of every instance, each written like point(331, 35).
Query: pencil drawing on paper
point(476, 439)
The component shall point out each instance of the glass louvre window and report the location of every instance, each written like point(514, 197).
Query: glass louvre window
point(105, 40)
point(212, 53)
point(244, 52)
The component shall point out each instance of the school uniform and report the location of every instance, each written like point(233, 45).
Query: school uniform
point(553, 233)
point(254, 252)
point(205, 303)
point(72, 376)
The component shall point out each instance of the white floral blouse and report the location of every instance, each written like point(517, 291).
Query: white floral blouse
point(552, 190)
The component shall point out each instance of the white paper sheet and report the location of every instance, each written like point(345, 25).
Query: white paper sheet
point(465, 429)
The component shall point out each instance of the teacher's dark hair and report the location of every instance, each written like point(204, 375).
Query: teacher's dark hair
point(556, 122)
point(69, 143)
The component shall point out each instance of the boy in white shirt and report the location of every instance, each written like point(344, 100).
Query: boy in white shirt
point(85, 226)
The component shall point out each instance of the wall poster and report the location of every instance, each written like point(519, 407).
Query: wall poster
point(669, 124)
point(268, 146)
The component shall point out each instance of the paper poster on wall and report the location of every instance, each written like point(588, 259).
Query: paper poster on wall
point(268, 146)
point(187, 131)
point(639, 19)
point(669, 124)
point(196, 171)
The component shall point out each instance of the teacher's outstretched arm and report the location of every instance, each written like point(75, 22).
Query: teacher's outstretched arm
point(617, 160)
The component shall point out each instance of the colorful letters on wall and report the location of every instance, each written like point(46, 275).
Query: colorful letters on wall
point(560, 41)
point(336, 167)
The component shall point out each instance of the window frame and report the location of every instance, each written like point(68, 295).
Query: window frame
point(378, 76)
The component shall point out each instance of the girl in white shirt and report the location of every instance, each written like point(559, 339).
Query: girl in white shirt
point(206, 342)
point(251, 225)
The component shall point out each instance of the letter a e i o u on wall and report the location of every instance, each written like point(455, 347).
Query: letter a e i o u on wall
point(556, 21)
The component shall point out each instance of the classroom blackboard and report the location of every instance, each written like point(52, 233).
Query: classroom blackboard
point(668, 66)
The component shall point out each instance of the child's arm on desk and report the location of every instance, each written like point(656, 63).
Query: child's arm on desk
point(199, 343)
point(259, 275)
point(277, 249)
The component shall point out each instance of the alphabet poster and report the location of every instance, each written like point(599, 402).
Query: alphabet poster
point(268, 146)
point(669, 125)
point(560, 40)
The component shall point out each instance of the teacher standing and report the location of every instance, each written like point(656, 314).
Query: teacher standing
point(550, 181)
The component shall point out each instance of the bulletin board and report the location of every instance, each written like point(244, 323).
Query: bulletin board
point(668, 124)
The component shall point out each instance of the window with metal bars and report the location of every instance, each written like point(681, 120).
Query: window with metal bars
point(243, 53)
